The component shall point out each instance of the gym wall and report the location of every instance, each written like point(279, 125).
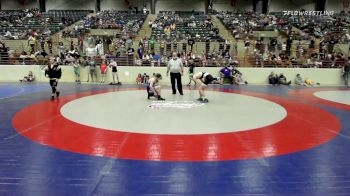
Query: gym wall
point(278, 5)
point(334, 5)
point(183, 5)
point(15, 5)
point(224, 5)
point(70, 5)
point(12, 73)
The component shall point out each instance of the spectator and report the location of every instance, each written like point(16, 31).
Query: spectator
point(31, 42)
point(76, 68)
point(28, 78)
point(113, 64)
point(145, 78)
point(99, 48)
point(139, 79)
point(130, 57)
point(226, 73)
point(140, 52)
point(91, 51)
point(238, 77)
point(346, 72)
point(299, 80)
point(92, 69)
point(49, 44)
point(283, 80)
point(103, 69)
point(273, 78)
point(61, 50)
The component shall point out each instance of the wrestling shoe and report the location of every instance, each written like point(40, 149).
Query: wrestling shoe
point(161, 98)
point(199, 99)
point(205, 101)
point(57, 94)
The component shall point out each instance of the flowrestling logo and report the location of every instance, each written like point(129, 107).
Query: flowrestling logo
point(174, 104)
point(308, 13)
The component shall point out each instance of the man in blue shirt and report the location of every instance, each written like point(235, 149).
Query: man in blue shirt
point(226, 72)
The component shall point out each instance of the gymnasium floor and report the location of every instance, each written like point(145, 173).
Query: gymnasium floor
point(110, 140)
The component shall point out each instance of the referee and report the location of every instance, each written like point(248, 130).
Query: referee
point(176, 70)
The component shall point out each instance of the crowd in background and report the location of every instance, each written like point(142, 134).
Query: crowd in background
point(312, 45)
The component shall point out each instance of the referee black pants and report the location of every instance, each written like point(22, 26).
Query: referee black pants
point(177, 77)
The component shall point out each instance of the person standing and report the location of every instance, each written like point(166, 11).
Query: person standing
point(113, 64)
point(130, 56)
point(103, 69)
point(161, 47)
point(140, 52)
point(152, 43)
point(99, 48)
point(54, 73)
point(61, 50)
point(191, 67)
point(42, 43)
point(92, 68)
point(191, 42)
point(76, 67)
point(175, 67)
point(31, 42)
point(49, 44)
point(346, 72)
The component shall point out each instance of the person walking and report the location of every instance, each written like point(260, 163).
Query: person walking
point(346, 72)
point(175, 67)
point(54, 73)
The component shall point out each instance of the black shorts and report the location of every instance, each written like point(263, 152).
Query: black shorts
point(53, 83)
point(208, 79)
point(114, 69)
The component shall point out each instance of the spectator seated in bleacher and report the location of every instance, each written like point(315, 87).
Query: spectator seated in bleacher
point(18, 24)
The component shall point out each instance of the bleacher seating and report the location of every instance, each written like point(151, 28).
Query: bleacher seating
point(16, 24)
point(187, 24)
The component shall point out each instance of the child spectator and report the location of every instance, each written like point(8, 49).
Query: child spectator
point(28, 78)
point(113, 64)
point(103, 69)
point(76, 67)
point(299, 80)
point(139, 79)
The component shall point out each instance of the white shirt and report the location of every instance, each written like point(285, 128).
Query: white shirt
point(175, 65)
point(91, 51)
